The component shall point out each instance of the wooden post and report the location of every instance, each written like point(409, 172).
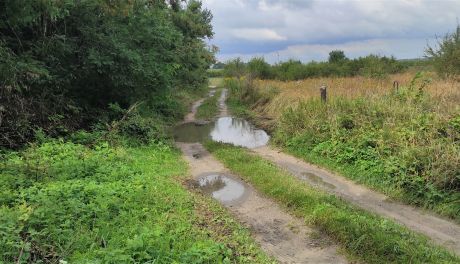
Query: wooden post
point(323, 91)
point(396, 86)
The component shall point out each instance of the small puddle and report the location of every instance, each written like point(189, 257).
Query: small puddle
point(230, 130)
point(315, 179)
point(222, 188)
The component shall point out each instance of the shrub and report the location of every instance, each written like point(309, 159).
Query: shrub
point(446, 55)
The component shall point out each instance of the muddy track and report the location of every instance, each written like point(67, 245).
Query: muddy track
point(441, 231)
point(281, 235)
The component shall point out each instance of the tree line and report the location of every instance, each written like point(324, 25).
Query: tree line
point(338, 65)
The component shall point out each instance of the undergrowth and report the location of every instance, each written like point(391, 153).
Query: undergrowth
point(363, 235)
point(63, 201)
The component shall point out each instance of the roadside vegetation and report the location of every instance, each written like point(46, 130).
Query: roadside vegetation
point(364, 236)
point(65, 201)
point(403, 139)
point(88, 173)
point(209, 108)
point(66, 65)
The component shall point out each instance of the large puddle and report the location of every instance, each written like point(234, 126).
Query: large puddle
point(231, 130)
point(222, 188)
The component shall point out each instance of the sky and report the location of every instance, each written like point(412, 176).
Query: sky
point(308, 30)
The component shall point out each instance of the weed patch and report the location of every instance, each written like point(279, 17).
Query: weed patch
point(103, 204)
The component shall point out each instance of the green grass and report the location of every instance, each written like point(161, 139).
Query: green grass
point(209, 108)
point(363, 235)
point(65, 201)
point(216, 81)
point(401, 144)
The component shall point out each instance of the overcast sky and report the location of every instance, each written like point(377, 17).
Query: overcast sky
point(309, 29)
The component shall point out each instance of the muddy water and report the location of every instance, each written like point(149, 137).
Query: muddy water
point(315, 179)
point(231, 130)
point(223, 188)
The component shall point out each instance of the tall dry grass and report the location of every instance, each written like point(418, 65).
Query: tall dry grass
point(404, 143)
point(445, 92)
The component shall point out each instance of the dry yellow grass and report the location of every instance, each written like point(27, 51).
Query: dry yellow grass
point(446, 92)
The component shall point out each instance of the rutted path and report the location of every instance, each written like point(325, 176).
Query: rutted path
point(441, 231)
point(284, 237)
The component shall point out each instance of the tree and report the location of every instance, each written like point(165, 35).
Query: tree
point(63, 62)
point(235, 68)
point(259, 68)
point(337, 56)
point(446, 56)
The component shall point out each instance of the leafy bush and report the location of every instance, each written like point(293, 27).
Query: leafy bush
point(64, 201)
point(446, 55)
point(63, 62)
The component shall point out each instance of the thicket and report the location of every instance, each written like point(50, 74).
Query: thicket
point(62, 63)
point(338, 65)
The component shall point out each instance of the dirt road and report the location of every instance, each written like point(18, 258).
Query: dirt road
point(281, 235)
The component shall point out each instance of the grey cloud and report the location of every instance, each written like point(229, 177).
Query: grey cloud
point(329, 22)
point(294, 4)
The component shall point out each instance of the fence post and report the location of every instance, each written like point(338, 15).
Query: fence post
point(323, 91)
point(396, 86)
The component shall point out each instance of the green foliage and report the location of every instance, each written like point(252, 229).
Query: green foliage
point(446, 55)
point(259, 68)
point(235, 68)
point(215, 73)
point(397, 143)
point(363, 235)
point(64, 201)
point(63, 62)
point(209, 109)
point(337, 56)
point(339, 65)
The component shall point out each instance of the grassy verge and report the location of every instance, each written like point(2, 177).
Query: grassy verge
point(104, 204)
point(209, 108)
point(402, 143)
point(363, 235)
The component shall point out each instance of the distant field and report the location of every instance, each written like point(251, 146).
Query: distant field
point(446, 92)
point(215, 72)
point(216, 81)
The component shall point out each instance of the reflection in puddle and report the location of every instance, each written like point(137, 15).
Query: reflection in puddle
point(225, 129)
point(192, 132)
point(315, 179)
point(222, 188)
point(239, 133)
